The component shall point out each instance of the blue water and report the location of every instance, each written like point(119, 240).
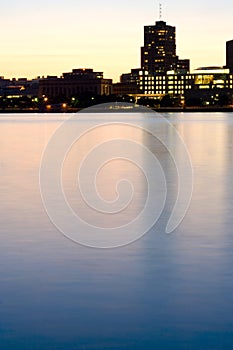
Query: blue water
point(160, 292)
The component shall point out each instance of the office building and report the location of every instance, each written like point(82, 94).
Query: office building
point(229, 55)
point(138, 81)
point(158, 55)
point(75, 83)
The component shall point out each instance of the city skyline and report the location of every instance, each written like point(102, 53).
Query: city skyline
point(50, 38)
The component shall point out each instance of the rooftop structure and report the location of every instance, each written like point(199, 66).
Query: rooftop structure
point(211, 70)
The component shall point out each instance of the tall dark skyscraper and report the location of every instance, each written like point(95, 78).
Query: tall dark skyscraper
point(229, 55)
point(158, 55)
point(159, 52)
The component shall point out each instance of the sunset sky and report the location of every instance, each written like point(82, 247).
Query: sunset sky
point(54, 36)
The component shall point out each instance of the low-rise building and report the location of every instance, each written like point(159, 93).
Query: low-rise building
point(138, 81)
point(20, 87)
point(208, 83)
point(75, 83)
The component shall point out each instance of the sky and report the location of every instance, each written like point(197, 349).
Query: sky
point(50, 37)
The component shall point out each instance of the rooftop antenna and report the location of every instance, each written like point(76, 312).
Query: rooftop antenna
point(160, 11)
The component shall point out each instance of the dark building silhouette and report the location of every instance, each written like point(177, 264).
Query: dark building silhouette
point(75, 83)
point(20, 87)
point(229, 55)
point(159, 52)
point(158, 55)
point(183, 65)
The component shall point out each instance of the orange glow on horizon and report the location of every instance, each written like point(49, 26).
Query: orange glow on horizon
point(70, 36)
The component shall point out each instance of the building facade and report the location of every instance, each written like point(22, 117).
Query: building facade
point(138, 81)
point(21, 87)
point(204, 78)
point(229, 55)
point(74, 83)
point(158, 55)
point(204, 86)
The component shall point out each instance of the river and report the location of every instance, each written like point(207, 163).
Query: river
point(149, 290)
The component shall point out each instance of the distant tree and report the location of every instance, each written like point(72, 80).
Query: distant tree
point(3, 103)
point(86, 99)
point(224, 100)
point(166, 101)
point(194, 102)
point(145, 101)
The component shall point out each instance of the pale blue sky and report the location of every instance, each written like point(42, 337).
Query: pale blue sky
point(50, 37)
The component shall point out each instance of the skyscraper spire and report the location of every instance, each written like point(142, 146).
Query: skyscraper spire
point(160, 11)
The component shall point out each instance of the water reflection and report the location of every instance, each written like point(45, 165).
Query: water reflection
point(163, 291)
point(107, 177)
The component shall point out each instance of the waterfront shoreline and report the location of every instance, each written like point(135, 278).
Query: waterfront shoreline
point(159, 110)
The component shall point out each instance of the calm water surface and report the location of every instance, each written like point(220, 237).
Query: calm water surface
point(160, 292)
